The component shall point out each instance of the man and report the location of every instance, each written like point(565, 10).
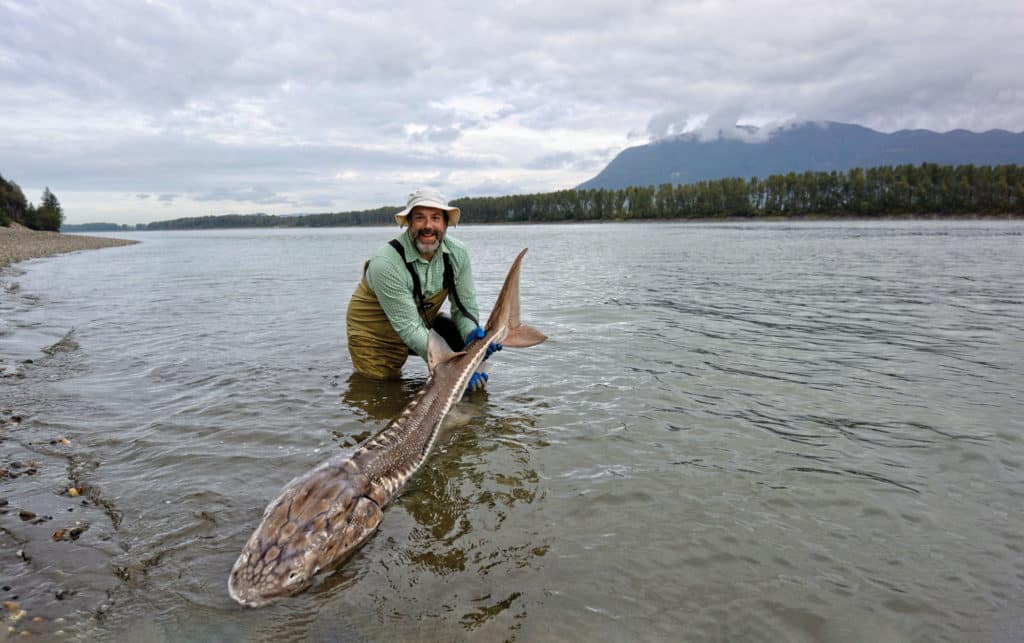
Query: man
point(404, 284)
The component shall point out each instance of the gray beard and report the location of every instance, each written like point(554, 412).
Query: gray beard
point(427, 248)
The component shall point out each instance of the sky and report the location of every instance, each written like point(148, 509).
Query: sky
point(134, 111)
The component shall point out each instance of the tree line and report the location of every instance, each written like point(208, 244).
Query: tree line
point(928, 188)
point(102, 227)
point(376, 216)
point(14, 207)
point(882, 191)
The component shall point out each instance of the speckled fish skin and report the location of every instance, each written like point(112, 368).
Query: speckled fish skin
point(323, 516)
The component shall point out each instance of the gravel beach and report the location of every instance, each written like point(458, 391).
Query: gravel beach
point(18, 243)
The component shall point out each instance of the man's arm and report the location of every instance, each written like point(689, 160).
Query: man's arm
point(391, 282)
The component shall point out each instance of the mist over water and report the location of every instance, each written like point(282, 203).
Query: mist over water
point(785, 431)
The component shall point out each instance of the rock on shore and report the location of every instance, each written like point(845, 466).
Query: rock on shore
point(18, 243)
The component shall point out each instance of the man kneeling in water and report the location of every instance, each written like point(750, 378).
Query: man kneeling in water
point(404, 284)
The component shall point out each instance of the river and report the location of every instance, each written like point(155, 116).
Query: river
point(766, 431)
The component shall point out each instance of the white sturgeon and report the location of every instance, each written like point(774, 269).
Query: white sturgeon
point(323, 516)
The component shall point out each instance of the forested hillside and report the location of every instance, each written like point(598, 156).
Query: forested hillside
point(881, 191)
point(14, 207)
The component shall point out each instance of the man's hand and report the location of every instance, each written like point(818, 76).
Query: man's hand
point(478, 333)
point(476, 382)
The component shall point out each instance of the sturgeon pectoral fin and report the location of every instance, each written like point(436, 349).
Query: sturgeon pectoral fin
point(523, 336)
point(438, 351)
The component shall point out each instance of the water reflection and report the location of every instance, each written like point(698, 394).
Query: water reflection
point(377, 400)
point(449, 521)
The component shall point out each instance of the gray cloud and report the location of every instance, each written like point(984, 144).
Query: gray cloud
point(351, 107)
point(253, 194)
point(586, 161)
point(435, 134)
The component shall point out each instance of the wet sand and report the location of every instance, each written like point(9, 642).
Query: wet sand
point(18, 243)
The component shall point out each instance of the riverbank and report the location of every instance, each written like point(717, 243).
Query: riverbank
point(18, 243)
point(55, 525)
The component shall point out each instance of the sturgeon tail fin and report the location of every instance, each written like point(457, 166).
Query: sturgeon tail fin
point(523, 336)
point(507, 308)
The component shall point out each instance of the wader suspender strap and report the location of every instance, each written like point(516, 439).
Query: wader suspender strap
point(448, 281)
point(417, 291)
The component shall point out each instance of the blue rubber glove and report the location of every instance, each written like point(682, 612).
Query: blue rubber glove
point(476, 382)
point(478, 333)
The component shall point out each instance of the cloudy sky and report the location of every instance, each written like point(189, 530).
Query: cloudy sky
point(136, 111)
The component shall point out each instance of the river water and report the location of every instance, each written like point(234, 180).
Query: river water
point(766, 432)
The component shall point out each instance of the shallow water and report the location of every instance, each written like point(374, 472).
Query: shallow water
point(735, 432)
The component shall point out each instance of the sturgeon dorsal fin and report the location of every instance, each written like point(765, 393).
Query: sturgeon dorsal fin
point(438, 351)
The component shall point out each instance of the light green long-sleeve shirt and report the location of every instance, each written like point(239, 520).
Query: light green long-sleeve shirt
point(391, 282)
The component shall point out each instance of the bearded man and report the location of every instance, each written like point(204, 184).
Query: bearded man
point(404, 284)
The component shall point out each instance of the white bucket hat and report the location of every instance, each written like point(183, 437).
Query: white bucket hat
point(428, 198)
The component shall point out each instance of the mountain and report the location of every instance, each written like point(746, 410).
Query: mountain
point(799, 148)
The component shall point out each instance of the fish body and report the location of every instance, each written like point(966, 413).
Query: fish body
point(323, 516)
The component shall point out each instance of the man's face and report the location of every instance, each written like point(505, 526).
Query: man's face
point(426, 229)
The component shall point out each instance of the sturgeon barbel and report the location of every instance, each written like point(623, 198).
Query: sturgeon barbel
point(323, 516)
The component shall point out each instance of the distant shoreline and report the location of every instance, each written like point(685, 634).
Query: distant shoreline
point(18, 243)
point(756, 218)
point(837, 217)
point(723, 219)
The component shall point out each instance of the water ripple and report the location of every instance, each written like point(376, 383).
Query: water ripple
point(751, 432)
